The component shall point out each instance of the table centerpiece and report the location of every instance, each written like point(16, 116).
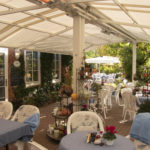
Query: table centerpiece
point(109, 135)
point(103, 138)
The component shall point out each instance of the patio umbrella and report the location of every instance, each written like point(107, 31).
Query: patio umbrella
point(102, 60)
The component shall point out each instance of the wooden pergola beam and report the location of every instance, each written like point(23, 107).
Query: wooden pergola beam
point(126, 5)
point(17, 10)
point(126, 12)
point(79, 1)
point(96, 17)
point(117, 9)
point(40, 40)
point(98, 37)
point(24, 19)
point(126, 24)
point(50, 50)
point(32, 16)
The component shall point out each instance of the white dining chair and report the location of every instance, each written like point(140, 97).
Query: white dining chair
point(110, 89)
point(130, 106)
point(130, 85)
point(103, 98)
point(140, 145)
point(6, 109)
point(116, 94)
point(122, 91)
point(35, 146)
point(84, 121)
point(23, 113)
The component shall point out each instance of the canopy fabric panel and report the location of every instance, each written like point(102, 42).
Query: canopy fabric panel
point(132, 15)
point(34, 25)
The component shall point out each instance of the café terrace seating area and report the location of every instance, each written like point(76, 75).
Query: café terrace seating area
point(94, 112)
point(118, 110)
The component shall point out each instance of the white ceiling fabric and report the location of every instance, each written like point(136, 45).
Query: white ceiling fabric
point(28, 25)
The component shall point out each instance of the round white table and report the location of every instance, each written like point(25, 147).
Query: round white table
point(77, 141)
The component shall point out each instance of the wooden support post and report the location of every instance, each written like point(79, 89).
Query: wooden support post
point(133, 61)
point(78, 46)
point(78, 53)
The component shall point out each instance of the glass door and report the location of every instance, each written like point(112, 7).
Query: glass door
point(3, 74)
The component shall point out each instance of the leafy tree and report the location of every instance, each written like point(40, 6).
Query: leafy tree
point(90, 54)
point(124, 52)
point(110, 68)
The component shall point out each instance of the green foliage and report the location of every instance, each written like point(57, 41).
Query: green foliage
point(96, 87)
point(110, 68)
point(66, 60)
point(66, 69)
point(41, 95)
point(47, 63)
point(19, 91)
point(145, 107)
point(109, 136)
point(143, 54)
point(117, 81)
point(90, 54)
point(36, 97)
point(25, 95)
point(143, 75)
point(47, 92)
point(126, 59)
point(140, 83)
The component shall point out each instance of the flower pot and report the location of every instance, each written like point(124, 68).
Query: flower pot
point(109, 142)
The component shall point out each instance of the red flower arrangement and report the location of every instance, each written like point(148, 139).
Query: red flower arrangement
point(146, 83)
point(84, 107)
point(110, 133)
point(134, 91)
point(145, 75)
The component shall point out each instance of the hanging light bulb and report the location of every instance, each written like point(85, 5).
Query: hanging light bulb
point(46, 1)
point(17, 54)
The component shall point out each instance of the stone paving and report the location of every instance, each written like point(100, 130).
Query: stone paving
point(113, 117)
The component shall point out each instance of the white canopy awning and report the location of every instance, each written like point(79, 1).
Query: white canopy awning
point(35, 25)
point(103, 60)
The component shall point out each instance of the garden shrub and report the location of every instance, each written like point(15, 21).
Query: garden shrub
point(145, 107)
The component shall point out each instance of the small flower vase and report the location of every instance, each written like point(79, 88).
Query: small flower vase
point(109, 142)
